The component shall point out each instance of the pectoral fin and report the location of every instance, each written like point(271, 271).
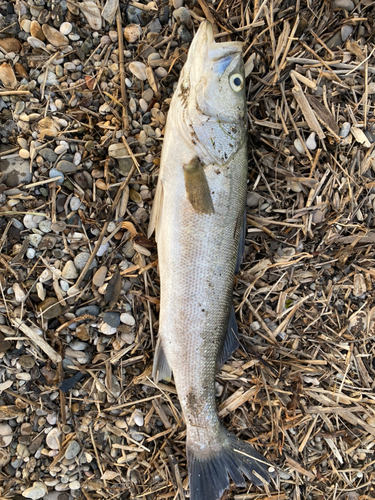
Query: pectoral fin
point(231, 339)
point(241, 247)
point(197, 188)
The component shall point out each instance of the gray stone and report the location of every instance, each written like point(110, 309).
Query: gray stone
point(93, 310)
point(55, 173)
point(81, 259)
point(16, 171)
point(112, 318)
point(66, 167)
point(48, 154)
point(72, 450)
point(184, 33)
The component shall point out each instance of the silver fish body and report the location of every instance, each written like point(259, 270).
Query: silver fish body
point(198, 217)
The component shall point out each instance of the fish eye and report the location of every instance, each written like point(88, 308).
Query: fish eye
point(236, 82)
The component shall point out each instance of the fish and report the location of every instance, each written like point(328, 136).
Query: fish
point(198, 219)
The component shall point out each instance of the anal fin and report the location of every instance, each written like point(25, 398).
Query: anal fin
point(161, 369)
point(231, 339)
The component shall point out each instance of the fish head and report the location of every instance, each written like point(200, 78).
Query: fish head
point(213, 88)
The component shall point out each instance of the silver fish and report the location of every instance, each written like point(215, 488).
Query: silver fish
point(198, 216)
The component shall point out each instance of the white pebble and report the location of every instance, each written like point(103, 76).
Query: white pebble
point(24, 154)
point(299, 146)
point(127, 319)
point(138, 69)
point(19, 294)
point(345, 129)
point(30, 253)
point(77, 158)
point(66, 28)
point(107, 330)
point(311, 142)
point(75, 203)
point(28, 222)
point(60, 149)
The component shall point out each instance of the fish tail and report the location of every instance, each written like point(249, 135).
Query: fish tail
point(208, 473)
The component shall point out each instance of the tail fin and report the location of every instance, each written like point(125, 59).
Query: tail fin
point(208, 476)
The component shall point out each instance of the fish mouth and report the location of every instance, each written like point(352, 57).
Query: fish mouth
point(205, 48)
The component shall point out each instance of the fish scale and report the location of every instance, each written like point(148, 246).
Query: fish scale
point(197, 215)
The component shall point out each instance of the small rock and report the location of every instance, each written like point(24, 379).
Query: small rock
point(36, 43)
point(36, 30)
point(148, 95)
point(72, 450)
point(138, 69)
point(29, 222)
point(107, 329)
point(184, 33)
point(24, 154)
point(311, 142)
point(343, 4)
point(132, 32)
point(182, 16)
point(299, 146)
point(66, 28)
point(127, 319)
point(19, 294)
point(70, 271)
point(50, 308)
point(27, 362)
point(10, 45)
point(177, 3)
point(17, 171)
point(138, 417)
point(58, 176)
point(48, 155)
point(112, 318)
point(66, 167)
point(54, 36)
point(59, 150)
point(7, 76)
point(345, 129)
point(99, 276)
point(53, 439)
point(346, 31)
point(81, 259)
point(75, 203)
point(37, 490)
point(161, 72)
point(6, 435)
point(4, 458)
point(35, 239)
point(30, 253)
point(92, 310)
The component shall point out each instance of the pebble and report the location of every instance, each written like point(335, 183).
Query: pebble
point(54, 36)
point(25, 25)
point(16, 171)
point(65, 28)
point(36, 30)
point(75, 485)
point(100, 276)
point(127, 319)
point(72, 450)
point(35, 239)
point(92, 310)
point(138, 417)
point(107, 329)
point(75, 203)
point(299, 146)
point(346, 31)
point(29, 222)
point(60, 149)
point(343, 4)
point(50, 308)
point(24, 154)
point(47, 154)
point(177, 3)
point(81, 259)
point(103, 249)
point(30, 253)
point(345, 129)
point(37, 490)
point(182, 16)
point(45, 225)
point(132, 32)
point(27, 362)
point(6, 435)
point(36, 43)
point(161, 72)
point(184, 33)
point(55, 173)
point(4, 458)
point(53, 439)
point(112, 318)
point(311, 142)
point(66, 167)
point(19, 294)
point(70, 271)
point(138, 69)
